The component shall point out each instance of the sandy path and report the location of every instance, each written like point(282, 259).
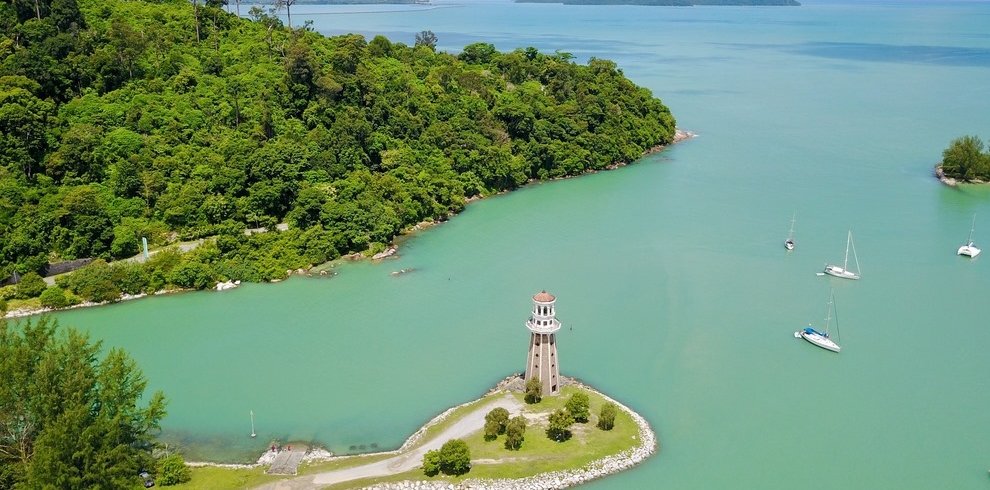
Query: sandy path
point(472, 422)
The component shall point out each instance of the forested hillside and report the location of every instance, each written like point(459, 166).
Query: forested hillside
point(170, 119)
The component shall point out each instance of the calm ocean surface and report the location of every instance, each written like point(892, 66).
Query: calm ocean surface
point(675, 291)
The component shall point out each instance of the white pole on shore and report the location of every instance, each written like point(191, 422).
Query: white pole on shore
point(253, 435)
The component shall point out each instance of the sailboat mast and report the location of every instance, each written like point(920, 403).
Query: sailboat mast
point(828, 311)
point(845, 263)
point(835, 313)
point(971, 229)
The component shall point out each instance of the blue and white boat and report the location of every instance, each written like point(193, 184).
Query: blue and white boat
point(822, 339)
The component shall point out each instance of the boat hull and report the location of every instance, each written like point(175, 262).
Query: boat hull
point(789, 244)
point(821, 341)
point(836, 271)
point(969, 251)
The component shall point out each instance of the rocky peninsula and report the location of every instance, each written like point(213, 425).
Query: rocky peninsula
point(950, 181)
point(400, 468)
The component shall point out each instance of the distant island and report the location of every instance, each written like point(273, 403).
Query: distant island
point(670, 3)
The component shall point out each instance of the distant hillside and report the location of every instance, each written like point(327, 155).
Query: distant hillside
point(669, 3)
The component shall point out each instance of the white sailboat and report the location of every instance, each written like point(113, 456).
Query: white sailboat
point(844, 272)
point(822, 339)
point(789, 243)
point(969, 249)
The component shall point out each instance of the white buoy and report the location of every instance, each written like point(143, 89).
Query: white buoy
point(253, 435)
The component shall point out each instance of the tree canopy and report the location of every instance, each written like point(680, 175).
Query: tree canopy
point(606, 418)
point(559, 425)
point(495, 423)
point(175, 120)
point(965, 159)
point(515, 432)
point(453, 458)
point(69, 418)
point(578, 405)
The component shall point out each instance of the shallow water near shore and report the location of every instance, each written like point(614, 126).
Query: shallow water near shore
point(675, 291)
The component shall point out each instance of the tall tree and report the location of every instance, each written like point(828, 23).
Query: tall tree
point(964, 158)
point(455, 457)
point(287, 5)
point(534, 390)
point(426, 38)
point(606, 418)
point(495, 422)
point(23, 118)
point(515, 432)
point(69, 419)
point(578, 406)
point(559, 426)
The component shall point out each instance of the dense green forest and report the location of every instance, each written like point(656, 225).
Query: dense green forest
point(965, 159)
point(174, 120)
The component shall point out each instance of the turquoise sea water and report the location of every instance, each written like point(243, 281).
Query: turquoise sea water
point(675, 291)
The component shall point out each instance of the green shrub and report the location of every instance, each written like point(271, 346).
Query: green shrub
point(495, 422)
point(514, 432)
point(31, 286)
point(131, 278)
point(172, 470)
point(606, 419)
point(455, 457)
point(579, 407)
point(54, 297)
point(92, 283)
point(191, 274)
point(431, 462)
point(559, 426)
point(534, 390)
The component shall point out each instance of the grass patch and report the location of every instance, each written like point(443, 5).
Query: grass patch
point(341, 463)
point(452, 417)
point(214, 478)
point(539, 454)
point(23, 304)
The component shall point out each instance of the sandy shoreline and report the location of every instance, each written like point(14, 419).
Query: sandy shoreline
point(391, 251)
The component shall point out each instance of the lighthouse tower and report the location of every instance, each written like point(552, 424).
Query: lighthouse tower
point(542, 359)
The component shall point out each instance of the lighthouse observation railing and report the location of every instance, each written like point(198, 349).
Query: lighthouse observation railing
point(538, 326)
